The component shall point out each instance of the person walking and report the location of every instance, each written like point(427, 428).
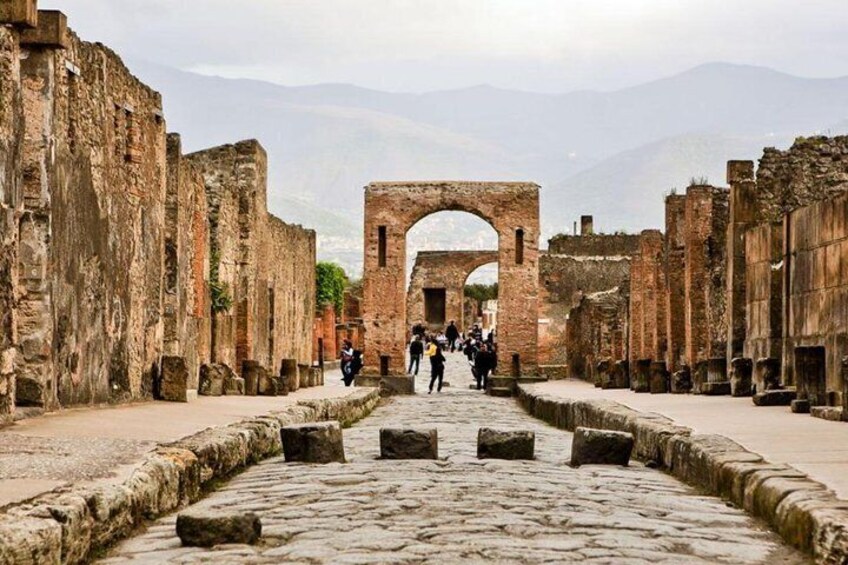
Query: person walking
point(452, 334)
point(416, 350)
point(483, 365)
point(437, 369)
point(345, 357)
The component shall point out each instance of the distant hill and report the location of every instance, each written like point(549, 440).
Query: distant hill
point(608, 153)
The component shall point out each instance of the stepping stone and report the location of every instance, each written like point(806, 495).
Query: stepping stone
point(600, 447)
point(499, 444)
point(408, 444)
point(319, 442)
point(207, 528)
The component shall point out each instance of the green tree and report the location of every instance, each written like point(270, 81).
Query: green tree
point(482, 292)
point(330, 282)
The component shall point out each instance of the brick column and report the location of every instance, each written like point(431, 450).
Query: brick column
point(674, 249)
point(743, 215)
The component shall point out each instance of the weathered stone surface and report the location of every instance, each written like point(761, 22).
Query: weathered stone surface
point(780, 397)
point(392, 385)
point(741, 377)
point(313, 443)
point(681, 381)
point(641, 378)
point(831, 413)
point(715, 388)
point(234, 386)
point(600, 447)
point(215, 527)
point(659, 378)
point(173, 379)
point(409, 444)
point(505, 444)
point(252, 373)
point(213, 378)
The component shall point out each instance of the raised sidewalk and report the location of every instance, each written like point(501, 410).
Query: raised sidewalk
point(817, 447)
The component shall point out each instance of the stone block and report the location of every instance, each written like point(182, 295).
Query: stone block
point(767, 374)
point(715, 388)
point(717, 370)
point(800, 406)
point(658, 378)
point(699, 376)
point(501, 444)
point(234, 386)
point(831, 413)
point(782, 397)
point(741, 377)
point(51, 31)
point(213, 377)
point(409, 444)
point(641, 380)
point(319, 442)
point(501, 392)
point(681, 381)
point(367, 380)
point(290, 374)
point(172, 382)
point(22, 13)
point(207, 528)
point(621, 374)
point(397, 385)
point(305, 375)
point(600, 447)
point(319, 375)
point(251, 372)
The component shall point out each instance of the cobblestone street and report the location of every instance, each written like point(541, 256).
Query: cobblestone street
point(461, 509)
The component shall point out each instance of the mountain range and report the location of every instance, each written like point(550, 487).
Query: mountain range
point(610, 154)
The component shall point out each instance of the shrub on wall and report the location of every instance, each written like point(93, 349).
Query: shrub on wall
point(330, 281)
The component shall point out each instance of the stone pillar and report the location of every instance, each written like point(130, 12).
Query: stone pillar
point(743, 216)
point(586, 225)
point(331, 347)
point(674, 250)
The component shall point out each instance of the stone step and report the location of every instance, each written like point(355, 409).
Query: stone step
point(499, 391)
point(530, 379)
point(502, 382)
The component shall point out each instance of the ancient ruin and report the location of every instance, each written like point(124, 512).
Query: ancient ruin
point(391, 209)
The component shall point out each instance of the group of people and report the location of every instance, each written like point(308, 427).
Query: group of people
point(481, 354)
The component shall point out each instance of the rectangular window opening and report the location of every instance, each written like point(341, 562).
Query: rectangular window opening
point(381, 246)
point(519, 246)
point(435, 301)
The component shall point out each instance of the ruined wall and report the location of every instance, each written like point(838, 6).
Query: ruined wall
point(706, 219)
point(11, 138)
point(763, 291)
point(563, 281)
point(187, 320)
point(813, 169)
point(596, 332)
point(594, 245)
point(743, 216)
point(92, 230)
point(290, 256)
point(817, 260)
point(448, 270)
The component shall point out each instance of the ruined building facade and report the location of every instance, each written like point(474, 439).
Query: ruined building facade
point(746, 290)
point(108, 234)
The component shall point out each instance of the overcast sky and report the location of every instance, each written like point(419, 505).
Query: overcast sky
point(418, 45)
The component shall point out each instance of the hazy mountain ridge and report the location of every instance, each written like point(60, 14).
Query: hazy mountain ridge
point(609, 153)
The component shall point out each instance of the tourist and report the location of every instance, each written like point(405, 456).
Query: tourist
point(354, 367)
point(437, 369)
point(431, 347)
point(484, 363)
point(345, 357)
point(452, 334)
point(416, 350)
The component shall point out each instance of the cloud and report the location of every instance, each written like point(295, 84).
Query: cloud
point(550, 45)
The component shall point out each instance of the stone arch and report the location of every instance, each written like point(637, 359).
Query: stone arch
point(448, 270)
point(392, 208)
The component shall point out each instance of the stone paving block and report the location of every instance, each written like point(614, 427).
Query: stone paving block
point(409, 444)
point(600, 447)
point(313, 443)
point(780, 397)
point(207, 528)
point(505, 444)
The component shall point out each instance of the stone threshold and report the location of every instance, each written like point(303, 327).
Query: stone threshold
point(804, 512)
point(75, 524)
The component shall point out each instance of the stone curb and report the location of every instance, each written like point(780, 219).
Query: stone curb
point(804, 512)
point(70, 526)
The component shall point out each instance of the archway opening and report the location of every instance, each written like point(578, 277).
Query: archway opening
point(480, 300)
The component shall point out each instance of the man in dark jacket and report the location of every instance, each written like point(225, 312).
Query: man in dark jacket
point(452, 334)
point(484, 363)
point(437, 368)
point(416, 351)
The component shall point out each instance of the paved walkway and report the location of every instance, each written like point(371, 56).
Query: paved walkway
point(464, 510)
point(78, 445)
point(814, 446)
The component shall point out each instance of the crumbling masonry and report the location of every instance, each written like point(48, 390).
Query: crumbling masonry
point(110, 236)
